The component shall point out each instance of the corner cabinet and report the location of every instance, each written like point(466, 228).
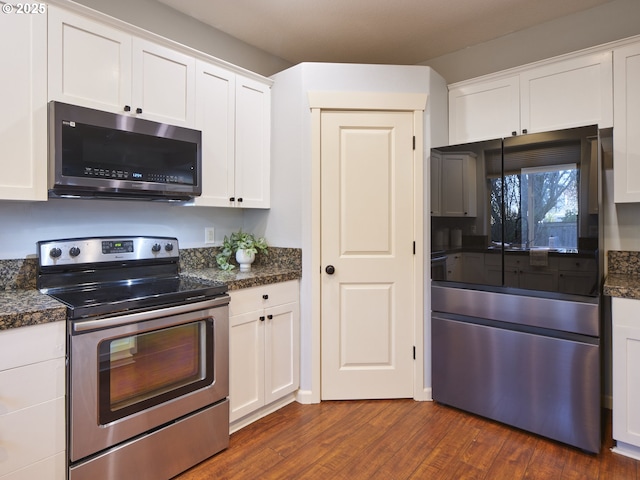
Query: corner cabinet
point(264, 349)
point(234, 114)
point(32, 403)
point(94, 65)
point(626, 375)
point(23, 96)
point(626, 137)
point(571, 92)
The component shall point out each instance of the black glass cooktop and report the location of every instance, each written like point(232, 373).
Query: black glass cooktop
point(102, 299)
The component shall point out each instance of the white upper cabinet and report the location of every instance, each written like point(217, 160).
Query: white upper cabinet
point(253, 143)
point(484, 110)
point(626, 132)
point(570, 93)
point(23, 96)
point(97, 66)
point(215, 117)
point(234, 114)
point(573, 92)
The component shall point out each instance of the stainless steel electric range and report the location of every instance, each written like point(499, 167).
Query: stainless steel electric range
point(148, 357)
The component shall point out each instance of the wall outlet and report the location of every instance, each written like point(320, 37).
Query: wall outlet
point(209, 236)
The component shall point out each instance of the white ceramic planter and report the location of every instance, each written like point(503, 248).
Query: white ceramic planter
point(245, 259)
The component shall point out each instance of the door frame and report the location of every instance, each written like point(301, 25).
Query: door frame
point(363, 101)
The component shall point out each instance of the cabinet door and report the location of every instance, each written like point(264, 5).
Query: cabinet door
point(541, 279)
point(458, 190)
point(436, 165)
point(626, 370)
point(89, 63)
point(484, 110)
point(454, 267)
point(23, 96)
point(246, 364)
point(163, 84)
point(626, 140)
point(282, 351)
point(215, 117)
point(568, 93)
point(473, 268)
point(253, 127)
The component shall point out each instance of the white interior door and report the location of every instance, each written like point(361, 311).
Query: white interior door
point(367, 237)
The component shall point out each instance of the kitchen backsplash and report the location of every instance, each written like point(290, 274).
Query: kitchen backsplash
point(21, 273)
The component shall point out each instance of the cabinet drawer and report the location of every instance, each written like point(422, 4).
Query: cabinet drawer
point(523, 261)
point(51, 468)
point(31, 435)
point(251, 299)
point(27, 345)
point(24, 387)
point(577, 264)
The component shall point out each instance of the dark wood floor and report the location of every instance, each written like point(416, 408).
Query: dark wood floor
point(400, 439)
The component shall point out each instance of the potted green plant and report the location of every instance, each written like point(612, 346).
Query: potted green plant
point(245, 246)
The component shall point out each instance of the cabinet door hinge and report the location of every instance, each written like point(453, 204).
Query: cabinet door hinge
point(414, 352)
point(414, 142)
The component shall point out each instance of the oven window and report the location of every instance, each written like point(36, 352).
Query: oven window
point(146, 369)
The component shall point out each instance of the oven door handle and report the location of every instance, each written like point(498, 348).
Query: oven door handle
point(99, 323)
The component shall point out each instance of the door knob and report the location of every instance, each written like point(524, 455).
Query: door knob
point(330, 269)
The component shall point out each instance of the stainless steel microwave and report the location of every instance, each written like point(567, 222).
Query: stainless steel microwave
point(105, 155)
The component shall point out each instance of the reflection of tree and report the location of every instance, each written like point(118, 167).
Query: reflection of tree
point(546, 187)
point(512, 222)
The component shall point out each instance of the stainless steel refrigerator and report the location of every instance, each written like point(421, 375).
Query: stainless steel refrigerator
point(516, 322)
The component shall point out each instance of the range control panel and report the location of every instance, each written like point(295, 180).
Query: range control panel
point(74, 251)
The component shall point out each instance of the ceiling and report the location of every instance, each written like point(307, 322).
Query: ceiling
point(404, 32)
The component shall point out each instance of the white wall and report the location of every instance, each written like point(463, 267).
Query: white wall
point(22, 224)
point(160, 19)
point(611, 21)
point(289, 218)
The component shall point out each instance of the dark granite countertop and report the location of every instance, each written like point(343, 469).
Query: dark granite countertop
point(623, 274)
point(19, 308)
point(21, 304)
point(235, 279)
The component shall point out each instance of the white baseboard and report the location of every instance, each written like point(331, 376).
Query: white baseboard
point(262, 412)
point(306, 397)
point(627, 450)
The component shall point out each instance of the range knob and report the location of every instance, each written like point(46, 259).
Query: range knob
point(156, 247)
point(168, 247)
point(55, 252)
point(74, 251)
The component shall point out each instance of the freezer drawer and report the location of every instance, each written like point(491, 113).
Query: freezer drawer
point(545, 385)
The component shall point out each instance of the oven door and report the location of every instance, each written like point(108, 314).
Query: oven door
point(134, 373)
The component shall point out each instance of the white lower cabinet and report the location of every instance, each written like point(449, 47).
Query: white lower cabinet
point(264, 347)
point(32, 403)
point(626, 375)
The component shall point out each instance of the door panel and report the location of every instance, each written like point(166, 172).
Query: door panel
point(367, 235)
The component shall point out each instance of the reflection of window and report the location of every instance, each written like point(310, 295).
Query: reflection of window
point(540, 207)
point(550, 206)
